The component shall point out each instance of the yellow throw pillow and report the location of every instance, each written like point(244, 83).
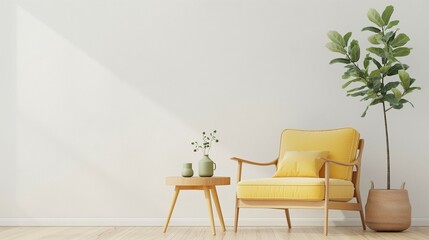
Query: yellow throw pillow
point(300, 164)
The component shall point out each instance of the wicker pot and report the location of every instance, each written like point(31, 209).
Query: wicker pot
point(388, 210)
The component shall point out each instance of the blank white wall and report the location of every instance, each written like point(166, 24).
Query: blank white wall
point(101, 99)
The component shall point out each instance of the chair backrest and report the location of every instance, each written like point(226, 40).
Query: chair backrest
point(342, 145)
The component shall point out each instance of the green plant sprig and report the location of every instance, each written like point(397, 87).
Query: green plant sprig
point(377, 81)
point(208, 140)
point(372, 84)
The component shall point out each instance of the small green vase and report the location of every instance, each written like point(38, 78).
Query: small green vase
point(206, 167)
point(187, 170)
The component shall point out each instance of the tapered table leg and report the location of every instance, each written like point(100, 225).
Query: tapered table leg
point(218, 209)
point(176, 194)
point(209, 206)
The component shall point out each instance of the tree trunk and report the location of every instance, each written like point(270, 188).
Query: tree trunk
point(387, 145)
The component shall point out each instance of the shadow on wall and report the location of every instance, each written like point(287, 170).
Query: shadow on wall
point(202, 63)
point(81, 129)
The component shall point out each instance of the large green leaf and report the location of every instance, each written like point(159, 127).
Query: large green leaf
point(401, 52)
point(352, 70)
point(346, 75)
point(397, 93)
point(356, 89)
point(391, 99)
point(400, 40)
point(376, 86)
point(387, 13)
point(377, 63)
point(389, 36)
point(360, 93)
point(376, 51)
point(384, 69)
point(336, 38)
point(371, 94)
point(339, 60)
point(375, 17)
point(366, 63)
point(353, 89)
point(405, 79)
point(347, 37)
point(375, 39)
point(374, 75)
point(406, 101)
point(392, 24)
point(372, 29)
point(409, 90)
point(336, 48)
point(389, 86)
point(354, 51)
point(395, 68)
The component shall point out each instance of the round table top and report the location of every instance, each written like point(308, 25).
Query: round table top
point(197, 181)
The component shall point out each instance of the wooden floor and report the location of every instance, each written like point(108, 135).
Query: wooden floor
point(191, 233)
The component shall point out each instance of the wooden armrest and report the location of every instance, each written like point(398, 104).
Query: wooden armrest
point(274, 162)
point(355, 162)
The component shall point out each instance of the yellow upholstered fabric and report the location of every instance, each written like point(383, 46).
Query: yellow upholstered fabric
point(300, 164)
point(294, 188)
point(341, 143)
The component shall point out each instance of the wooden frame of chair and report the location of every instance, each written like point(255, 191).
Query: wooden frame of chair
point(326, 204)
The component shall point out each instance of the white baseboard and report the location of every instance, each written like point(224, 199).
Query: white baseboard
point(299, 222)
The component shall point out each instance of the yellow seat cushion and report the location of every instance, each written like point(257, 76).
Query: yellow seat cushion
point(342, 145)
point(295, 188)
point(300, 164)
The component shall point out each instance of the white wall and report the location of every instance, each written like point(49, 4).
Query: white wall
point(101, 99)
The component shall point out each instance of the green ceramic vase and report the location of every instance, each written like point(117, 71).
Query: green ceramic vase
point(206, 167)
point(187, 170)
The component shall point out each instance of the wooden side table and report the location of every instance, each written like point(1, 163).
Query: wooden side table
point(207, 184)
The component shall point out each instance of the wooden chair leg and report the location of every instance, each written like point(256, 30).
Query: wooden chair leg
point(237, 212)
point(326, 197)
point(325, 228)
point(288, 218)
point(362, 216)
point(362, 219)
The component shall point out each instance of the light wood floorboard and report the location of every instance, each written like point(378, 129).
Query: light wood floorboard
point(191, 233)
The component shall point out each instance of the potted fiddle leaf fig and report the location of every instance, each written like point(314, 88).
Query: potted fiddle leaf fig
point(380, 77)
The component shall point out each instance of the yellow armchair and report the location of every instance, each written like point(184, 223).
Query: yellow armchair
point(336, 186)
